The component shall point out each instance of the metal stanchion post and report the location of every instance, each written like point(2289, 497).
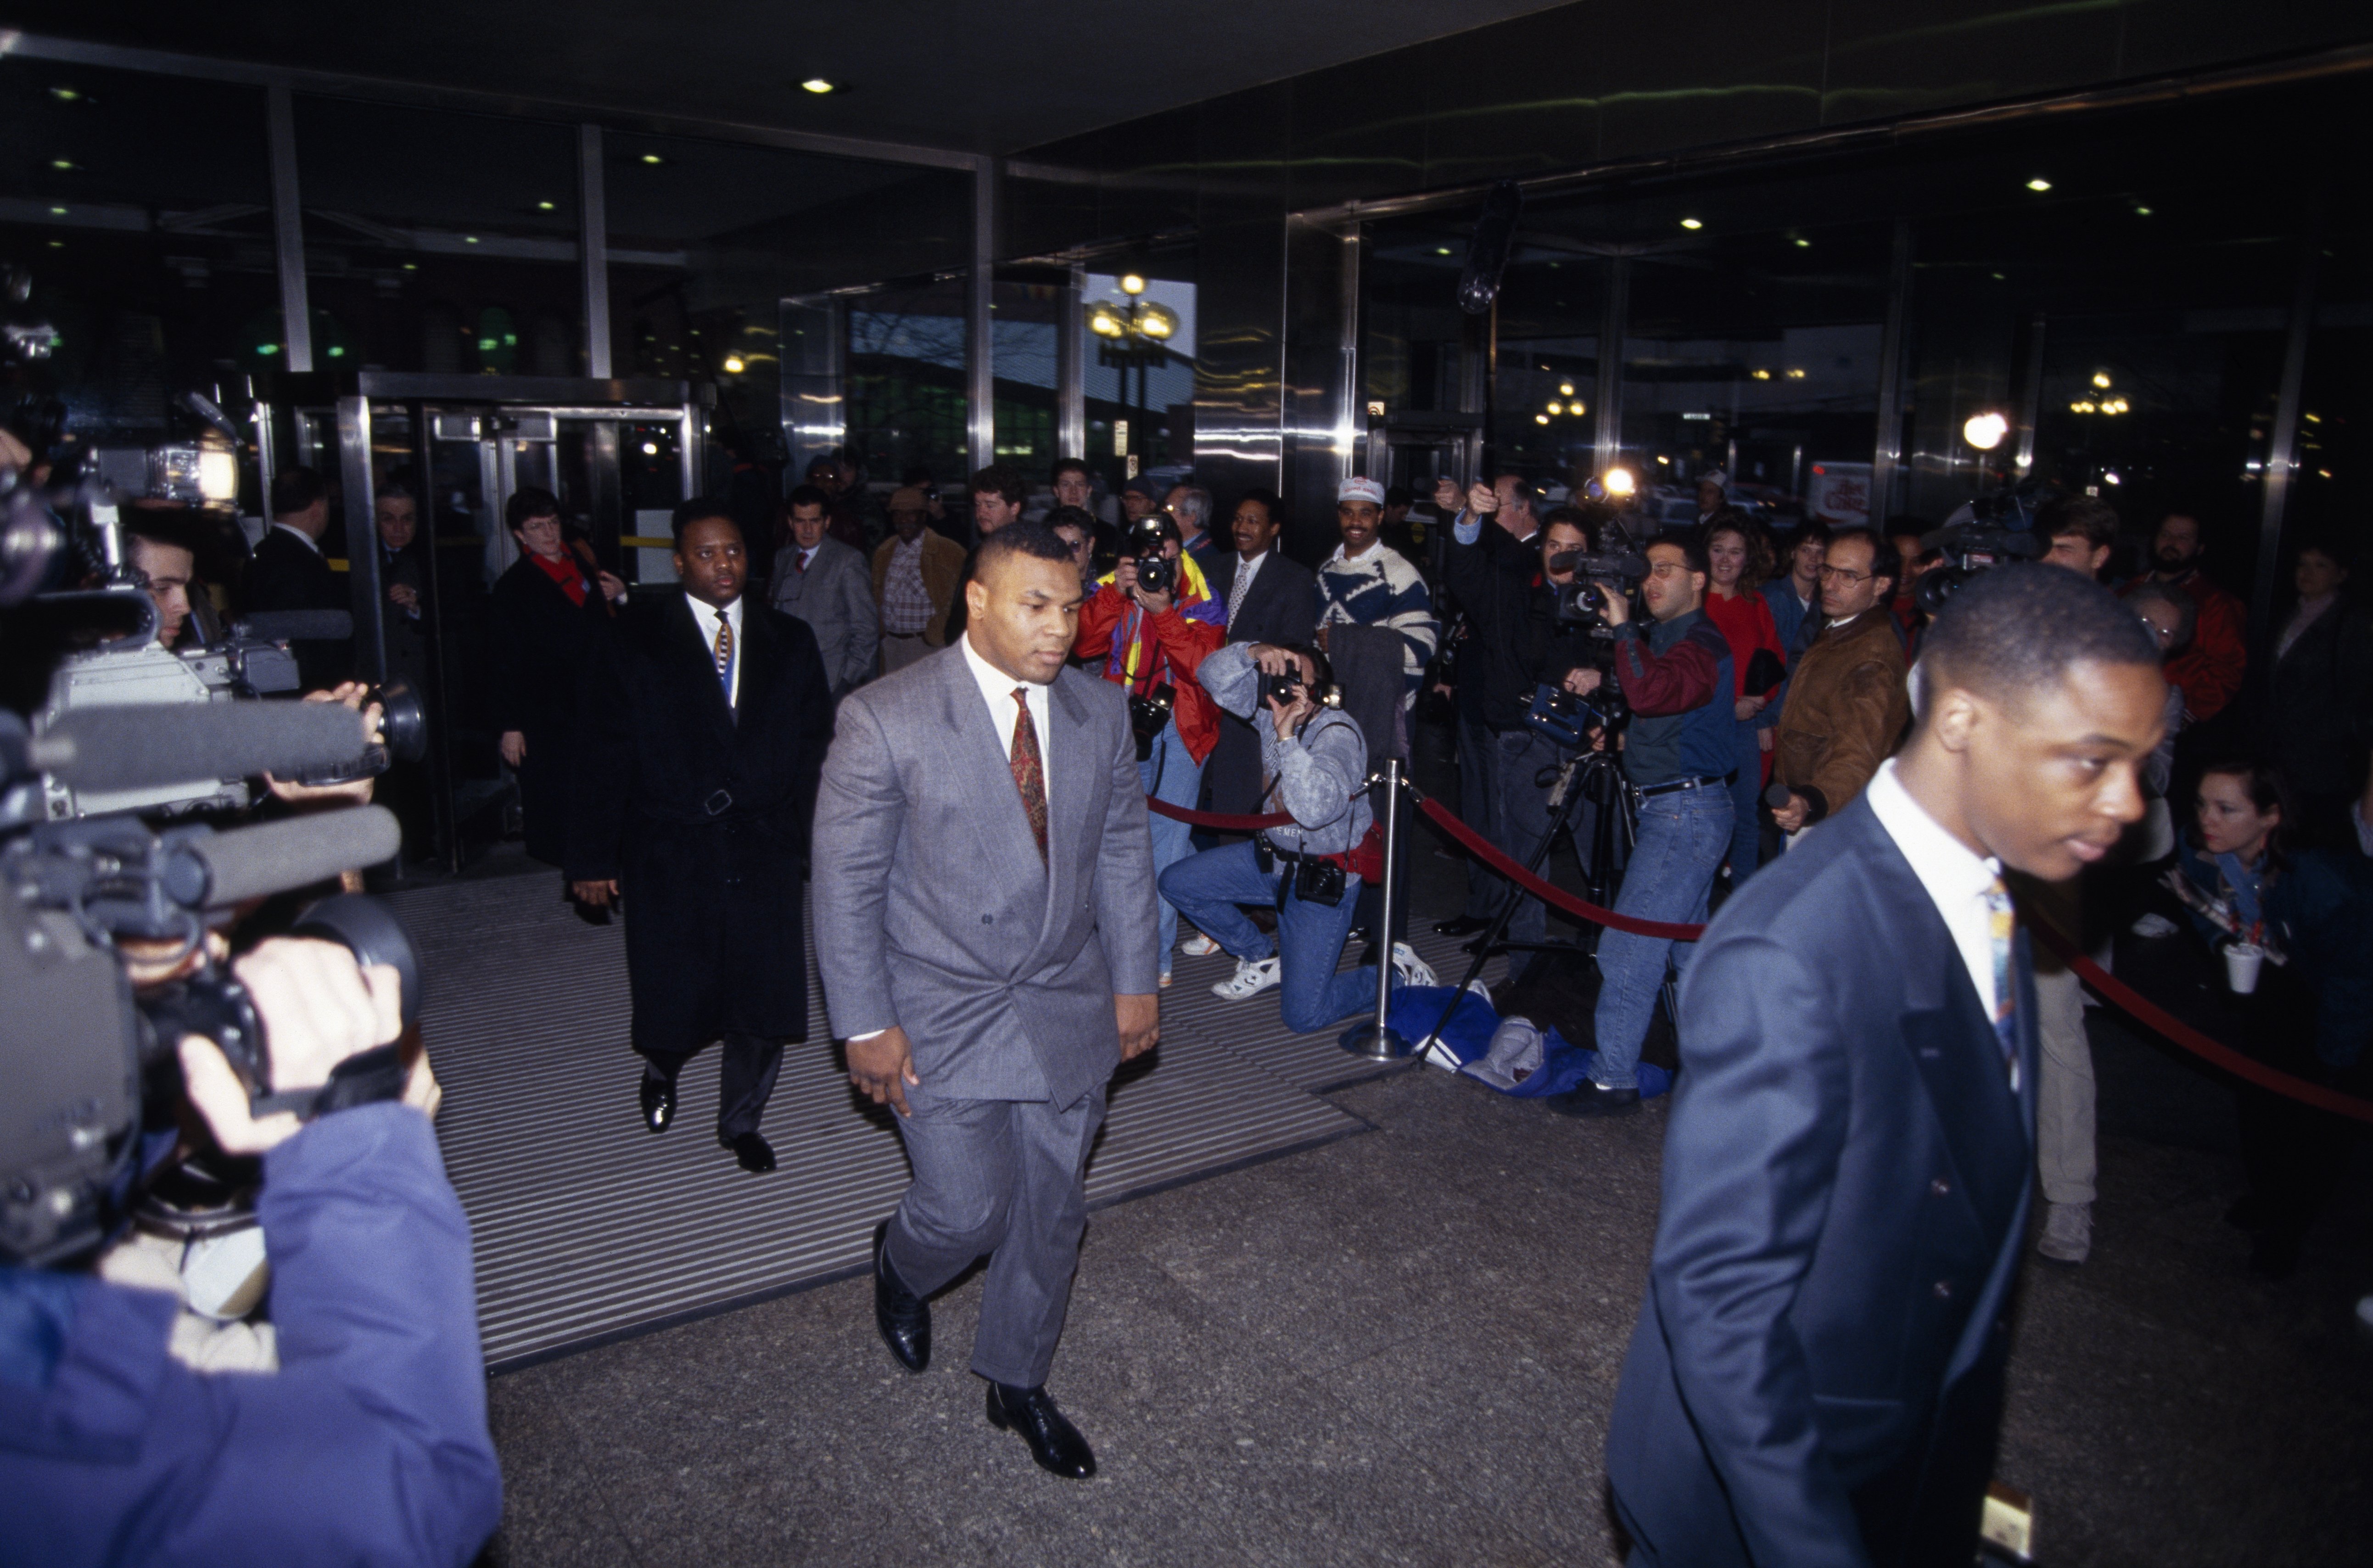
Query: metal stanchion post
point(1375, 1039)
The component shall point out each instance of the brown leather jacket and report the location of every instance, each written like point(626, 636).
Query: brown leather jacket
point(1848, 704)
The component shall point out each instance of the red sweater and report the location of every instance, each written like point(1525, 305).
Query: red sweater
point(2209, 671)
point(1171, 645)
point(1745, 623)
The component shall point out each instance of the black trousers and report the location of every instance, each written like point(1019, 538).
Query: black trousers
point(746, 1078)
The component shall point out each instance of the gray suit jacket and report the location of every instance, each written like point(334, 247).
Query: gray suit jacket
point(834, 597)
point(932, 909)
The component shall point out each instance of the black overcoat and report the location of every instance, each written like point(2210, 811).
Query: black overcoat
point(540, 642)
point(701, 812)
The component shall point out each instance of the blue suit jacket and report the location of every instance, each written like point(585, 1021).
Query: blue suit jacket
point(1817, 1373)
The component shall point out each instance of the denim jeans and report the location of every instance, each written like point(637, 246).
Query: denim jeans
point(1683, 837)
point(1172, 776)
point(1745, 794)
point(1208, 889)
point(1518, 759)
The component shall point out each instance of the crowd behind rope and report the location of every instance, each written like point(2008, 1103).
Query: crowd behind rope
point(1747, 691)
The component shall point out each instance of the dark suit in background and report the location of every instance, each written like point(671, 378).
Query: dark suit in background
point(700, 810)
point(288, 573)
point(1817, 1375)
point(539, 642)
point(1280, 606)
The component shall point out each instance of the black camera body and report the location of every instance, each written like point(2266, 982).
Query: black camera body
point(1156, 573)
point(1969, 548)
point(1583, 601)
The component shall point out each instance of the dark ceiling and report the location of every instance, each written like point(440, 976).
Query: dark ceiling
point(945, 73)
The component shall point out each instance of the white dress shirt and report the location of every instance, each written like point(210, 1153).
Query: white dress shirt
point(996, 690)
point(705, 617)
point(1245, 571)
point(1957, 879)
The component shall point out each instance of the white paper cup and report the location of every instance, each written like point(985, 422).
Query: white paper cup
point(2242, 960)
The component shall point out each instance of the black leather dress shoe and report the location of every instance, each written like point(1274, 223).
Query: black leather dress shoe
point(1592, 1099)
point(1465, 925)
point(754, 1152)
point(659, 1102)
point(904, 1317)
point(1054, 1443)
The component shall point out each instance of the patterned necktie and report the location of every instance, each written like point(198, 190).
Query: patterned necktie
point(2000, 924)
point(799, 563)
point(725, 656)
point(1236, 591)
point(1028, 769)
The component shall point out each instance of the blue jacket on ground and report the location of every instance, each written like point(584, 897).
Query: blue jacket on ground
point(369, 1446)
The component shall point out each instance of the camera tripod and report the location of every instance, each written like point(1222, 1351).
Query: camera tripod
point(1596, 777)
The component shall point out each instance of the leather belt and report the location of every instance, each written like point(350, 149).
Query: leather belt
point(1704, 781)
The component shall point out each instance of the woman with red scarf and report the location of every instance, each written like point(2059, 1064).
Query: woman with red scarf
point(544, 611)
point(1152, 643)
point(1741, 558)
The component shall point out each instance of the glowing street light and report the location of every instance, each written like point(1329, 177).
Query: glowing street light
point(1985, 431)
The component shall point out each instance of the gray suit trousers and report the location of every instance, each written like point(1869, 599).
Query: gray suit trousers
point(1004, 1178)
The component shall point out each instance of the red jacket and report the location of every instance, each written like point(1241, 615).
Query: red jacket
point(1167, 648)
point(2209, 671)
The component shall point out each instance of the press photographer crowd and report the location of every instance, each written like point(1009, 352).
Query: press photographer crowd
point(1751, 808)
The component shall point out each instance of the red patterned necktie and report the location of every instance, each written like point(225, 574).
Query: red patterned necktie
point(1028, 769)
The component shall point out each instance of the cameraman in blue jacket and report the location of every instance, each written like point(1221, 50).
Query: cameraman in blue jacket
point(369, 1444)
point(1677, 754)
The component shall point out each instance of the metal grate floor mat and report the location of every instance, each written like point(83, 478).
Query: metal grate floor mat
point(589, 1229)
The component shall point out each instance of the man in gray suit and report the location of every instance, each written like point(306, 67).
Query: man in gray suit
point(988, 953)
point(829, 586)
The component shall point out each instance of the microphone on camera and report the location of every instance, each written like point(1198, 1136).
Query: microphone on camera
point(134, 746)
point(275, 856)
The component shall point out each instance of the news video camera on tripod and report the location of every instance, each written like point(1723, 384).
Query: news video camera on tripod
point(228, 1106)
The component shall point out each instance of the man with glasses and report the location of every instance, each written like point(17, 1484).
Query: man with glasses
point(1847, 699)
point(1679, 753)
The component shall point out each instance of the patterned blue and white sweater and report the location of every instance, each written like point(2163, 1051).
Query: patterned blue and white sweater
point(1381, 589)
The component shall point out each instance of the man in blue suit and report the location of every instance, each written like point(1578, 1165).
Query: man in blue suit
point(1817, 1373)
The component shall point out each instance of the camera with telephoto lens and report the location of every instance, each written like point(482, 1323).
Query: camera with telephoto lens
point(1983, 533)
point(1156, 573)
point(1282, 689)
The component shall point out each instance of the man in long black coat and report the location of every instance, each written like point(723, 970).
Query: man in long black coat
point(287, 572)
point(546, 612)
point(703, 723)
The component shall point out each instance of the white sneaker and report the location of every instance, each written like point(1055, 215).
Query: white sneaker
point(1198, 946)
point(1253, 976)
point(2153, 925)
point(2067, 1232)
point(1408, 968)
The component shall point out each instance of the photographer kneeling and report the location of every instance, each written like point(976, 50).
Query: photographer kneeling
point(1678, 752)
point(369, 1444)
point(1314, 760)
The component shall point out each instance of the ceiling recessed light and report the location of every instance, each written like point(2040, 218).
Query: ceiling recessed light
point(652, 158)
point(2039, 184)
point(57, 212)
point(819, 86)
point(2141, 211)
point(733, 364)
point(1804, 244)
point(65, 95)
point(469, 240)
point(1691, 223)
point(543, 206)
point(62, 163)
point(1442, 250)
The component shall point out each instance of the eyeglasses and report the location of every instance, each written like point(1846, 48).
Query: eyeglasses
point(1841, 575)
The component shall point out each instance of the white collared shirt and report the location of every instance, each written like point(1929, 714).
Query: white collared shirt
point(1957, 879)
point(1339, 555)
point(300, 535)
point(705, 617)
point(996, 690)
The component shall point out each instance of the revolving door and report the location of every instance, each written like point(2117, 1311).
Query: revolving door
point(619, 455)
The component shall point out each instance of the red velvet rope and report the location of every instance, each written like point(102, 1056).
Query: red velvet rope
point(2146, 1012)
point(1214, 819)
point(1480, 847)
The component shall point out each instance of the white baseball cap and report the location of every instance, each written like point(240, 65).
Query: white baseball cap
point(1360, 490)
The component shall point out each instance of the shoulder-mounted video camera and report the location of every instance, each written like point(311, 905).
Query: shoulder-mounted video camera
point(1983, 533)
point(1583, 601)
